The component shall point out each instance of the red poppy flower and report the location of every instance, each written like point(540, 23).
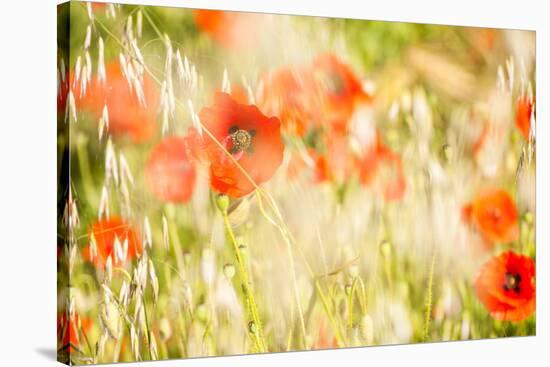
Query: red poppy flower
point(382, 169)
point(238, 93)
point(524, 108)
point(253, 139)
point(233, 30)
point(340, 89)
point(105, 232)
point(169, 172)
point(127, 115)
point(284, 95)
point(506, 286)
point(68, 330)
point(494, 214)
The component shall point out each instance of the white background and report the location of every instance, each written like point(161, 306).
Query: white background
point(27, 182)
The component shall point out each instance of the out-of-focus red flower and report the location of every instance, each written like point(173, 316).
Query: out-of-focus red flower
point(382, 169)
point(252, 139)
point(169, 172)
point(506, 286)
point(284, 95)
point(232, 30)
point(337, 163)
point(479, 143)
point(338, 88)
point(298, 162)
point(493, 213)
point(524, 108)
point(127, 115)
point(68, 336)
point(484, 39)
point(105, 231)
point(98, 6)
point(323, 341)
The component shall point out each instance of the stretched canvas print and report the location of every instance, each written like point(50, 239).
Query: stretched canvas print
point(235, 183)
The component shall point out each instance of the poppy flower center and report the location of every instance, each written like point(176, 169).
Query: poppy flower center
point(511, 282)
point(241, 139)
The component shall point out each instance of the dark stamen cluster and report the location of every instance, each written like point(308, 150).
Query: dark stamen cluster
point(241, 139)
point(512, 282)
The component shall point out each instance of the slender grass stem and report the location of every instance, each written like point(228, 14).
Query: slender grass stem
point(429, 296)
point(296, 293)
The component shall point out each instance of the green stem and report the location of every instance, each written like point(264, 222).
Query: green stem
point(333, 324)
point(363, 296)
point(249, 297)
point(350, 304)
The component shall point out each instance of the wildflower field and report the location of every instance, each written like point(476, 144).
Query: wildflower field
point(235, 183)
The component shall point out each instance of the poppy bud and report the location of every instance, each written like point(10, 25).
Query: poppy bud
point(202, 313)
point(252, 327)
point(447, 152)
point(348, 289)
point(229, 270)
point(243, 250)
point(165, 329)
point(222, 201)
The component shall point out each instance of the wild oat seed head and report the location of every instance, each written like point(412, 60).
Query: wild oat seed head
point(134, 342)
point(226, 84)
point(154, 281)
point(119, 254)
point(88, 37)
point(109, 317)
point(102, 77)
point(90, 11)
point(109, 269)
point(139, 23)
point(147, 236)
point(77, 70)
point(71, 107)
